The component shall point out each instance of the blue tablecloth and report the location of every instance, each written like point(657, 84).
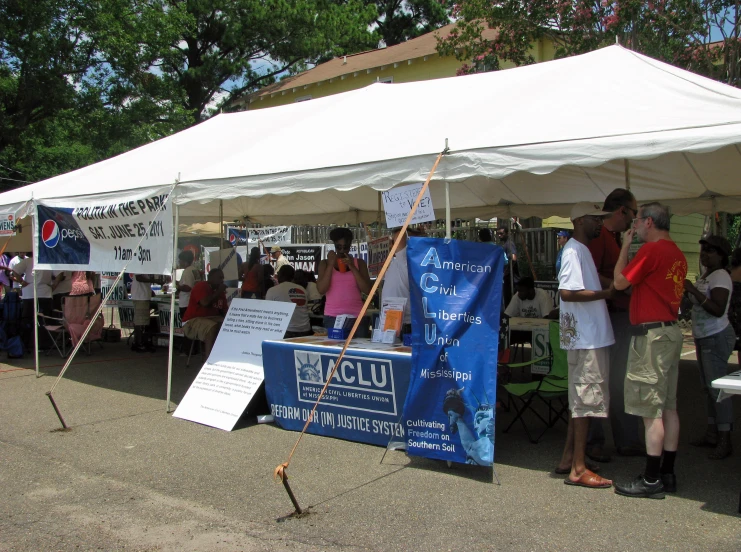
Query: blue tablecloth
point(363, 402)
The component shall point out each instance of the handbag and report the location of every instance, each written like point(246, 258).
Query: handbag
point(111, 334)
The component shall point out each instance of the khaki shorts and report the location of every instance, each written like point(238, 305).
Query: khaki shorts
point(653, 370)
point(199, 328)
point(589, 374)
point(141, 313)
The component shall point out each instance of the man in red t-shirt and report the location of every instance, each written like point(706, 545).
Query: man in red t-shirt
point(605, 251)
point(206, 309)
point(657, 275)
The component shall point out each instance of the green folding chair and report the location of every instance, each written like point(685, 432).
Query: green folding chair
point(552, 390)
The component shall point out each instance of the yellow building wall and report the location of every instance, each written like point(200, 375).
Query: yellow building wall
point(435, 67)
point(686, 233)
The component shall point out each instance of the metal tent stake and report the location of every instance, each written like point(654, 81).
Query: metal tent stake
point(284, 478)
point(59, 414)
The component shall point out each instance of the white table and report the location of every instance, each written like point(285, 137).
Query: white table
point(519, 324)
point(729, 385)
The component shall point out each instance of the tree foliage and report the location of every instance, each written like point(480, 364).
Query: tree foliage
point(402, 20)
point(675, 31)
point(81, 80)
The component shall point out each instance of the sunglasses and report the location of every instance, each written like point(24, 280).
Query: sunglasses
point(710, 249)
point(342, 246)
point(633, 211)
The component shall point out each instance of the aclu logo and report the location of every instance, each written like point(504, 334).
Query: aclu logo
point(58, 226)
point(359, 383)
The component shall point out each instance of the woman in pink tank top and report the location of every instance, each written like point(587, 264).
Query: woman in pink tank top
point(342, 279)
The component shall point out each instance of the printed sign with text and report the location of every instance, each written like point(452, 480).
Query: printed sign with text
point(106, 236)
point(233, 372)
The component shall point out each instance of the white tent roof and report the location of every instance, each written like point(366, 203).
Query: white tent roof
point(526, 141)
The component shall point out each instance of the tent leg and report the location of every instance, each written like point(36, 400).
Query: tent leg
point(447, 210)
point(626, 163)
point(172, 307)
point(36, 321)
point(221, 224)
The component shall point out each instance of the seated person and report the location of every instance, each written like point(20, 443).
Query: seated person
point(530, 302)
point(206, 310)
point(290, 292)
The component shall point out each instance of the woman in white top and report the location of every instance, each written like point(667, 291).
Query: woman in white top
point(714, 339)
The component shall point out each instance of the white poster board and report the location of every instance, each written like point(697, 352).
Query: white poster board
point(226, 260)
point(541, 347)
point(399, 201)
point(119, 294)
point(233, 372)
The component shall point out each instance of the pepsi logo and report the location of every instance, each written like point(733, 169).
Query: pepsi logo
point(10, 217)
point(232, 238)
point(50, 234)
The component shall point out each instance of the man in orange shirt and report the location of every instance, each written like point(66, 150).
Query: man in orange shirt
point(657, 274)
point(206, 310)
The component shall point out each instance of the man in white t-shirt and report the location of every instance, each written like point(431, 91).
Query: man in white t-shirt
point(530, 302)
point(141, 295)
point(276, 253)
point(289, 292)
point(23, 274)
point(586, 335)
point(12, 264)
point(396, 279)
point(61, 286)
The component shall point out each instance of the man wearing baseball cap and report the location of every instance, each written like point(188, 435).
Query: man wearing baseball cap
point(280, 260)
point(657, 274)
point(622, 206)
point(586, 335)
point(561, 238)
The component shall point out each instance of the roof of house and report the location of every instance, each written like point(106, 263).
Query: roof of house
point(424, 45)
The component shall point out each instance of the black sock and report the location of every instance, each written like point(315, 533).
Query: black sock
point(667, 465)
point(652, 468)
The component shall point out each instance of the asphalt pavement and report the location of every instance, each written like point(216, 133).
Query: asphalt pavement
point(129, 476)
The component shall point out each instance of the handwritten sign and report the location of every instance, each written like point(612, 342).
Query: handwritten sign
point(233, 372)
point(399, 201)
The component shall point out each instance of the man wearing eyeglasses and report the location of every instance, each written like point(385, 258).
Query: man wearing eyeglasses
point(605, 250)
point(657, 274)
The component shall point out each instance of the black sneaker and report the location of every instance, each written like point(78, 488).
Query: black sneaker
point(669, 480)
point(640, 488)
point(138, 349)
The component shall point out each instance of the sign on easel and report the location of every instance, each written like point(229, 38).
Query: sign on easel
point(233, 372)
point(397, 203)
point(226, 260)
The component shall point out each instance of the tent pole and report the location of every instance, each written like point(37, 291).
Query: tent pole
point(447, 210)
point(35, 318)
point(221, 224)
point(626, 163)
point(447, 202)
point(172, 305)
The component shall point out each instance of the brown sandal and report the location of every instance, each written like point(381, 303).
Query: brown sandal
point(591, 480)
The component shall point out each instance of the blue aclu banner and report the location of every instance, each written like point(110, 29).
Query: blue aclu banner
point(456, 294)
point(362, 403)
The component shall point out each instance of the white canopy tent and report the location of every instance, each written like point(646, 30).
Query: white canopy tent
point(526, 141)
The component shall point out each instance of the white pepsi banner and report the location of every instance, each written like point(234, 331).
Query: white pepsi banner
point(267, 235)
point(106, 236)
